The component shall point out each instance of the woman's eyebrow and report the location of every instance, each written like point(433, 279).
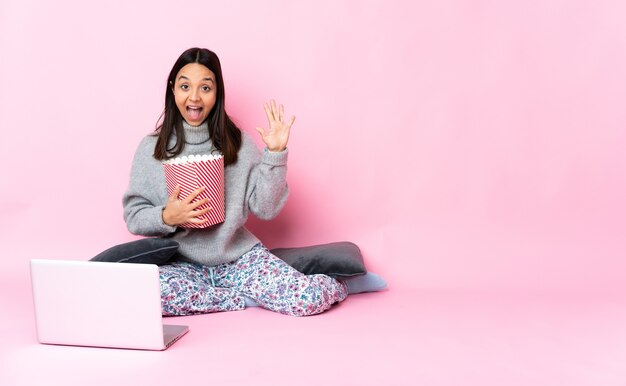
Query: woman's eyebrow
point(204, 79)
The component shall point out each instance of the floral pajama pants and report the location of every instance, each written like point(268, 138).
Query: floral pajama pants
point(188, 288)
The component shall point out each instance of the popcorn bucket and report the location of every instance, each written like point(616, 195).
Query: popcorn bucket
point(192, 172)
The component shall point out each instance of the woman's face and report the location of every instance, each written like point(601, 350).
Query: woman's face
point(195, 92)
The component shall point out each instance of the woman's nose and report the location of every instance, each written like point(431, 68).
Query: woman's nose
point(195, 95)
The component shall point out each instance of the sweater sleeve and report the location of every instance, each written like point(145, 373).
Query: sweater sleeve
point(146, 195)
point(268, 184)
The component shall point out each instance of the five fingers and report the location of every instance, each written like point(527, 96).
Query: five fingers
point(276, 113)
point(191, 206)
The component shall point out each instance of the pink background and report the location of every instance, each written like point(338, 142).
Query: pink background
point(472, 146)
point(461, 144)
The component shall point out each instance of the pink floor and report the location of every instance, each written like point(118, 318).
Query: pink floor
point(396, 337)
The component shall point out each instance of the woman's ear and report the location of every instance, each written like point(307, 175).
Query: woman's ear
point(172, 86)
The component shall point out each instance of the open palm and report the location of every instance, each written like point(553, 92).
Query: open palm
point(277, 136)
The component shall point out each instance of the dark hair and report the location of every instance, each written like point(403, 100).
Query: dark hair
point(224, 134)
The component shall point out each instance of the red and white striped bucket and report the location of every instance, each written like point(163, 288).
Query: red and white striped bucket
point(192, 172)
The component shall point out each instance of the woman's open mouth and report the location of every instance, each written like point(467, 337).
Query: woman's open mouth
point(194, 112)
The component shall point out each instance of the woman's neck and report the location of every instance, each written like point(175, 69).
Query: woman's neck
point(196, 134)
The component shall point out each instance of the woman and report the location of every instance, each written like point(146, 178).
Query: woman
point(224, 266)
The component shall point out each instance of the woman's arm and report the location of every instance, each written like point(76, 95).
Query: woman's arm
point(143, 202)
point(268, 183)
point(269, 177)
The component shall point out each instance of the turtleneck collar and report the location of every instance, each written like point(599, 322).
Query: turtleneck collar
point(195, 135)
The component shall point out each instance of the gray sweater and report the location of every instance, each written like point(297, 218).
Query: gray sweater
point(255, 183)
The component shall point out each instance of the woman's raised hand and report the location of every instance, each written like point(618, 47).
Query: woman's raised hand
point(183, 211)
point(278, 134)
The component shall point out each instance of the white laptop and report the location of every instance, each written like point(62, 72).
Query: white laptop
point(88, 303)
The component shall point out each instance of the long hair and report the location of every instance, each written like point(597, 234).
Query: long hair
point(224, 134)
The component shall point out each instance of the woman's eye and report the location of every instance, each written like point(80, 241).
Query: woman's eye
point(206, 88)
point(184, 86)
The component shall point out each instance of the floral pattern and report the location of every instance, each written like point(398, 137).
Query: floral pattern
point(189, 288)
